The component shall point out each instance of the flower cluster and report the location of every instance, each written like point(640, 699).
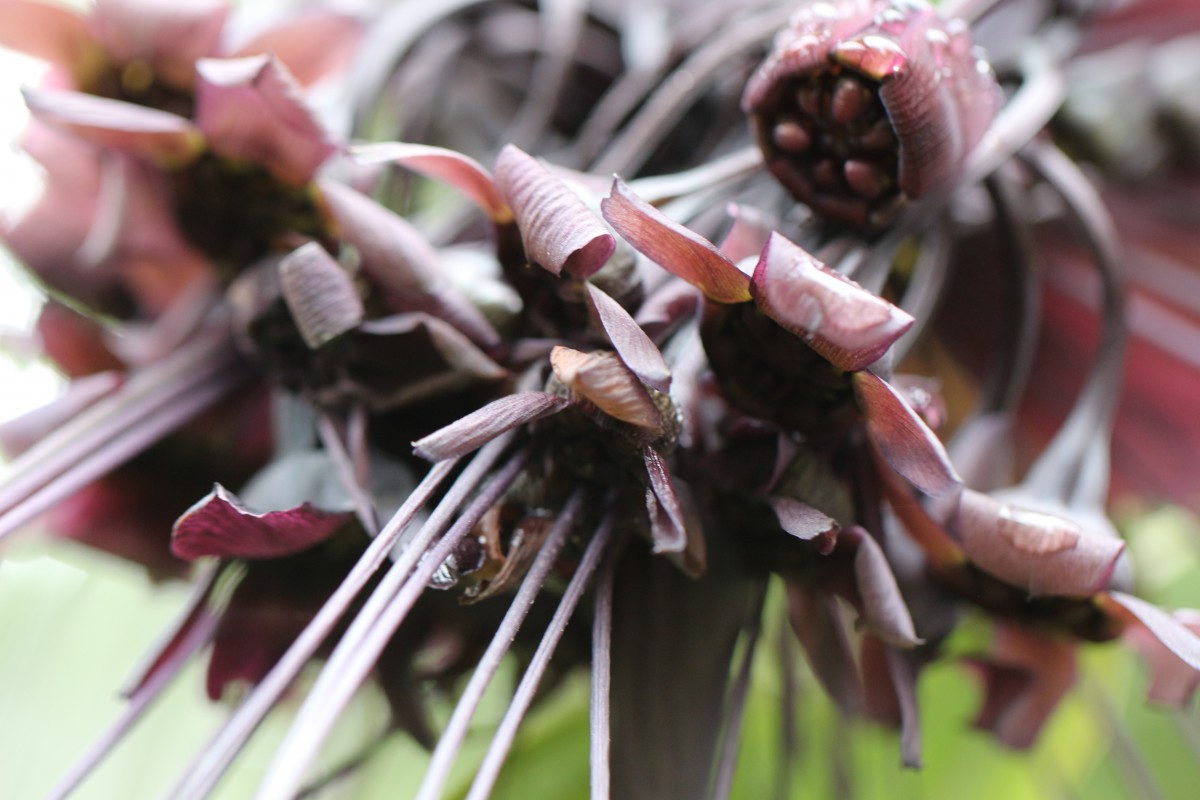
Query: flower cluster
point(367, 389)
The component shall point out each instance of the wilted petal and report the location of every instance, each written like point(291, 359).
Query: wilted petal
point(480, 427)
point(558, 230)
point(845, 323)
point(49, 32)
point(311, 45)
point(814, 619)
point(602, 379)
point(629, 340)
point(667, 525)
point(903, 438)
point(219, 525)
point(883, 607)
point(250, 109)
point(169, 37)
point(155, 135)
point(863, 104)
point(673, 247)
point(1167, 628)
point(1044, 553)
point(453, 168)
point(1025, 678)
point(321, 296)
point(805, 522)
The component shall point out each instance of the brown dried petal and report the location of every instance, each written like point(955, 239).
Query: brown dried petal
point(604, 380)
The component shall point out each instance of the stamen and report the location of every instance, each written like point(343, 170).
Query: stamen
point(456, 730)
point(489, 770)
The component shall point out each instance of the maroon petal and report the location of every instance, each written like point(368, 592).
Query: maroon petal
point(312, 45)
point(673, 247)
point(883, 607)
point(250, 109)
point(320, 295)
point(805, 522)
point(219, 525)
point(167, 36)
point(748, 234)
point(814, 618)
point(480, 427)
point(558, 230)
point(667, 525)
point(845, 323)
point(905, 441)
point(453, 168)
point(49, 32)
point(603, 380)
point(629, 340)
point(1043, 553)
point(155, 135)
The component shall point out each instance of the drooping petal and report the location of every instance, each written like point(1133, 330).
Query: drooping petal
point(602, 379)
point(845, 323)
point(148, 133)
point(1167, 628)
point(1043, 553)
point(903, 438)
point(219, 525)
point(673, 247)
point(558, 230)
point(169, 37)
point(667, 525)
point(321, 296)
point(1173, 682)
point(629, 340)
point(813, 615)
point(883, 607)
point(250, 109)
point(807, 523)
point(449, 166)
point(479, 427)
point(312, 45)
point(49, 32)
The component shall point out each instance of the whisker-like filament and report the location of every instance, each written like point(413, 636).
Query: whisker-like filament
point(601, 690)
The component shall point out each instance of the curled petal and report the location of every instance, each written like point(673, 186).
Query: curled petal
point(1044, 553)
point(903, 438)
point(169, 37)
point(667, 525)
point(845, 323)
point(1173, 682)
point(805, 522)
point(155, 135)
point(558, 230)
point(312, 45)
point(863, 104)
point(673, 247)
point(602, 379)
point(320, 295)
point(449, 166)
point(250, 109)
point(629, 340)
point(219, 525)
point(1169, 629)
point(480, 427)
point(748, 234)
point(883, 607)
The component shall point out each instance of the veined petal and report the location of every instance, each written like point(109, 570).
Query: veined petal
point(158, 136)
point(558, 230)
point(903, 438)
point(480, 427)
point(449, 166)
point(50, 32)
point(629, 340)
point(845, 323)
point(250, 109)
point(320, 295)
point(673, 247)
point(169, 37)
point(219, 525)
point(311, 45)
point(602, 379)
point(1043, 553)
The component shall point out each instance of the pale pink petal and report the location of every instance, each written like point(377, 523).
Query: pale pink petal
point(1043, 553)
point(673, 247)
point(603, 380)
point(311, 45)
point(219, 525)
point(667, 525)
point(1167, 628)
point(805, 522)
point(1173, 682)
point(749, 233)
point(903, 438)
point(629, 340)
point(558, 230)
point(250, 109)
point(151, 134)
point(480, 427)
point(49, 32)
point(320, 295)
point(452, 168)
point(845, 323)
point(169, 37)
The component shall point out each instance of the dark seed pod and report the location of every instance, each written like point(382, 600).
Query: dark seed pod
point(865, 104)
